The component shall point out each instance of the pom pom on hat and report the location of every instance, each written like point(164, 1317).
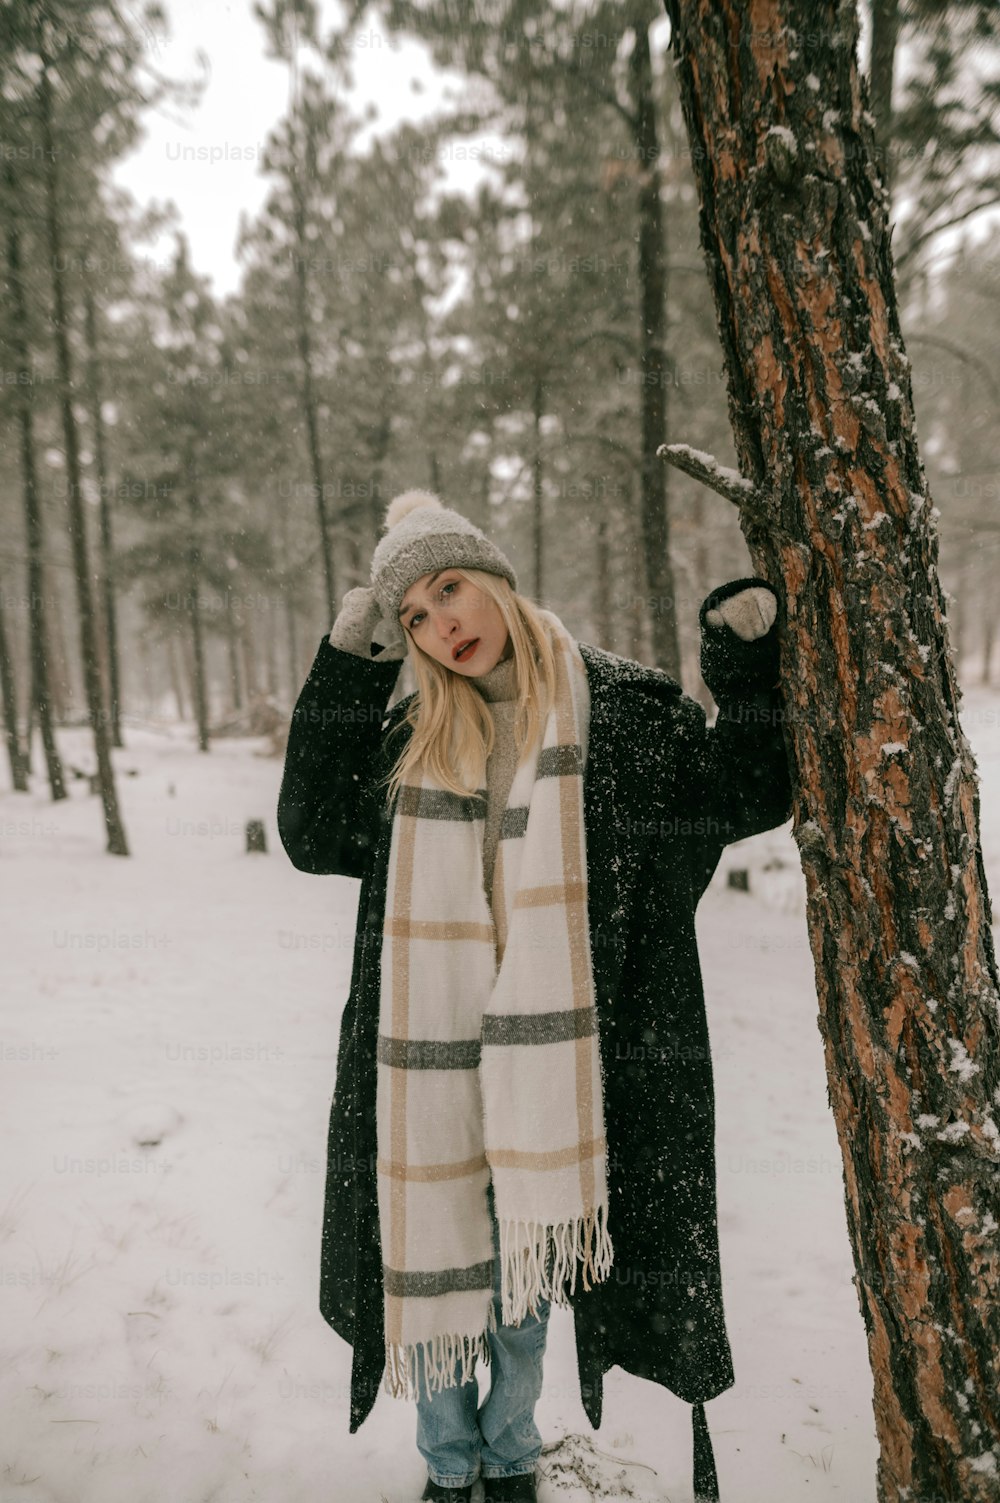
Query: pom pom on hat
point(401, 506)
point(423, 535)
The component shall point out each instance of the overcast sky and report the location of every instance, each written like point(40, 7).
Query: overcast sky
point(206, 159)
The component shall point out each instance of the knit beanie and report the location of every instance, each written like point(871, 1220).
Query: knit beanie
point(422, 535)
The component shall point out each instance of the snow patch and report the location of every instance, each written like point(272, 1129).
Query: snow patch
point(949, 784)
point(785, 136)
point(961, 1065)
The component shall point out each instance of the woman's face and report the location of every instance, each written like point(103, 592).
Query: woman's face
point(441, 611)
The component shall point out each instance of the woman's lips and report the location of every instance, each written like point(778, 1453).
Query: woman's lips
point(467, 651)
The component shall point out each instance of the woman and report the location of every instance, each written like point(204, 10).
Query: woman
point(523, 1077)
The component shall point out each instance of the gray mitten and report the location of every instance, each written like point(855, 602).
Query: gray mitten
point(359, 624)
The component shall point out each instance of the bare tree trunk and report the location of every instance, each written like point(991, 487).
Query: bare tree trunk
point(176, 676)
point(602, 573)
point(60, 676)
point(110, 621)
point(989, 636)
point(835, 504)
point(271, 645)
point(537, 518)
point(703, 584)
point(304, 341)
point(235, 677)
point(117, 844)
point(248, 642)
point(232, 643)
point(653, 363)
point(8, 691)
point(198, 680)
point(39, 698)
point(885, 35)
point(637, 617)
point(189, 674)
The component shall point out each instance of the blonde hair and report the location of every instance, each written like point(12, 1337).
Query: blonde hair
point(453, 730)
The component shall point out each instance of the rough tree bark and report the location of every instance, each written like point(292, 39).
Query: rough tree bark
point(109, 623)
point(297, 171)
point(199, 682)
point(835, 509)
point(8, 697)
point(117, 844)
point(40, 698)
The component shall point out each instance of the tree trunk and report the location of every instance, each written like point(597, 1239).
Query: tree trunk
point(61, 682)
point(637, 617)
point(117, 844)
point(602, 573)
point(703, 583)
point(653, 365)
point(537, 518)
point(110, 616)
point(176, 676)
point(835, 508)
point(271, 645)
point(251, 667)
point(885, 34)
point(232, 650)
point(989, 636)
point(199, 689)
point(8, 692)
point(40, 699)
point(304, 341)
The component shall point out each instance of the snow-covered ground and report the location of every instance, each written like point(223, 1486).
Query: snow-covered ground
point(169, 1032)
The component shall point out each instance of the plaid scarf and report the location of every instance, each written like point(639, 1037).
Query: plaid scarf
point(488, 1059)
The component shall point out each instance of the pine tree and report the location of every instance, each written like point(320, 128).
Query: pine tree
point(834, 504)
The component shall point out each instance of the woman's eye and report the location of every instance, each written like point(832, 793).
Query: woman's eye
point(451, 584)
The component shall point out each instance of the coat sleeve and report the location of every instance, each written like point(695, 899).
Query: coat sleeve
point(738, 776)
point(327, 812)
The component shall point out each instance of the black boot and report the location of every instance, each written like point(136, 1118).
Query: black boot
point(438, 1493)
point(519, 1489)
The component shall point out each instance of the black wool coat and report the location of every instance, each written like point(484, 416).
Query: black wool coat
point(663, 793)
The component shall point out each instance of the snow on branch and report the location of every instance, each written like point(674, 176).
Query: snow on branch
point(752, 502)
point(707, 469)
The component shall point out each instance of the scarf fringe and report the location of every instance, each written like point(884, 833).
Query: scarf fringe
point(442, 1355)
point(525, 1277)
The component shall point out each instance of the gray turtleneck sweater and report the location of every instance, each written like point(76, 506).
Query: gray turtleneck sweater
point(499, 689)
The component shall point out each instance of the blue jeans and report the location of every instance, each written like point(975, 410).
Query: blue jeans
point(458, 1439)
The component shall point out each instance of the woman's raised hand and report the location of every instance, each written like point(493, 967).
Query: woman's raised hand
point(360, 623)
point(751, 613)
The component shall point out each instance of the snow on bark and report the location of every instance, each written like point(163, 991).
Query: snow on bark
point(796, 237)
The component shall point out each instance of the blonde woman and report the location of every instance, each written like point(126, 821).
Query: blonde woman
point(523, 1111)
